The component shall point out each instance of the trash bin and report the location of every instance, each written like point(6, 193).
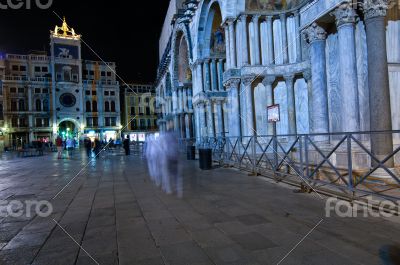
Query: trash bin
point(191, 152)
point(205, 159)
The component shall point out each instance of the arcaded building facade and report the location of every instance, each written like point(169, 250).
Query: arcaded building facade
point(331, 66)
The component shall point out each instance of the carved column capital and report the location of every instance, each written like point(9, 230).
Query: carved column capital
point(247, 80)
point(314, 33)
point(232, 83)
point(268, 80)
point(289, 78)
point(243, 17)
point(375, 8)
point(269, 18)
point(344, 14)
point(255, 18)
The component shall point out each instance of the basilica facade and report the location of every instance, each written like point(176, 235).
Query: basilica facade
point(328, 66)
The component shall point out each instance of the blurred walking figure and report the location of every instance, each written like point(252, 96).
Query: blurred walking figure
point(88, 147)
point(59, 144)
point(162, 156)
point(69, 144)
point(152, 155)
point(126, 146)
point(97, 147)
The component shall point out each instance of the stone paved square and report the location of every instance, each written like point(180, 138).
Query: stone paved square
point(113, 213)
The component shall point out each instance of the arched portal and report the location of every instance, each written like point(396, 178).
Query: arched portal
point(211, 45)
point(69, 129)
point(182, 83)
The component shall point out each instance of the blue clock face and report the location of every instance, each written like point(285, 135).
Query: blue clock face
point(68, 100)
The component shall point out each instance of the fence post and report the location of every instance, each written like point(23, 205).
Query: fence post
point(301, 156)
point(254, 153)
point(306, 152)
point(350, 164)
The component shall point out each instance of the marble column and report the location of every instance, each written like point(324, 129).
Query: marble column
point(378, 79)
point(308, 77)
point(291, 104)
point(185, 99)
point(249, 117)
point(199, 77)
point(190, 98)
point(197, 123)
point(232, 43)
point(227, 45)
point(285, 54)
point(174, 101)
point(232, 87)
point(210, 119)
point(298, 39)
point(267, 82)
point(220, 130)
point(270, 39)
point(317, 80)
point(214, 75)
point(345, 21)
point(207, 75)
point(244, 40)
point(221, 74)
point(202, 119)
point(256, 40)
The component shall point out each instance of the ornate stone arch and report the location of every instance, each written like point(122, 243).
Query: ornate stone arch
point(181, 32)
point(74, 121)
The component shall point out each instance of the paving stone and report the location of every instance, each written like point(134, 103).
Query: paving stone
point(184, 254)
point(252, 241)
point(252, 219)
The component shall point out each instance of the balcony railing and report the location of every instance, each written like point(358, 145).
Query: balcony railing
point(100, 82)
point(40, 58)
point(27, 79)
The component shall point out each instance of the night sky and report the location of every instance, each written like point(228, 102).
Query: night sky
point(116, 31)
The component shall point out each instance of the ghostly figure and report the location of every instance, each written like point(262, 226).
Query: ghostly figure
point(162, 156)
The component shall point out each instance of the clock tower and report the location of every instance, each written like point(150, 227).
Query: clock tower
point(67, 89)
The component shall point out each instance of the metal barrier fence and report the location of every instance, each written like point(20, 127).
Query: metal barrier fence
point(337, 163)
